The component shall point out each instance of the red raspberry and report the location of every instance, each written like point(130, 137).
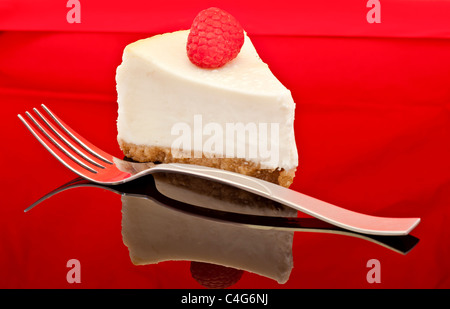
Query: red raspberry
point(215, 38)
point(214, 276)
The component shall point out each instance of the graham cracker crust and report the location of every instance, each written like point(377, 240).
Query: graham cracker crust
point(141, 153)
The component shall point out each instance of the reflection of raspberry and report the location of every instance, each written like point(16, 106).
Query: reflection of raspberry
point(214, 276)
point(215, 38)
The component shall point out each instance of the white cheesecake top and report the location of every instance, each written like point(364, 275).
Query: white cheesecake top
point(246, 73)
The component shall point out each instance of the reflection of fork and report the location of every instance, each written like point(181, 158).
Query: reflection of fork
point(93, 164)
point(146, 188)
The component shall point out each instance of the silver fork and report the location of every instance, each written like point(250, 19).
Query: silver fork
point(93, 164)
point(147, 189)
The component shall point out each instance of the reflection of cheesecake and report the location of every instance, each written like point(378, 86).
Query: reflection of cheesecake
point(238, 117)
point(154, 233)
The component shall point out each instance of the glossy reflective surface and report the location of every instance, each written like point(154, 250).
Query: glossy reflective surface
point(220, 230)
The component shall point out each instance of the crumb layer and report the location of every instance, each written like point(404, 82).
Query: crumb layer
point(142, 153)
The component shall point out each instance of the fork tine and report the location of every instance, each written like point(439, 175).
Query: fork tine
point(67, 142)
point(55, 151)
point(91, 148)
point(60, 152)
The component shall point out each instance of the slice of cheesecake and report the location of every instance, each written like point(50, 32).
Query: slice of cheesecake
point(238, 117)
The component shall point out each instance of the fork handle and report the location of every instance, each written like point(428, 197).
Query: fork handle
point(335, 215)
